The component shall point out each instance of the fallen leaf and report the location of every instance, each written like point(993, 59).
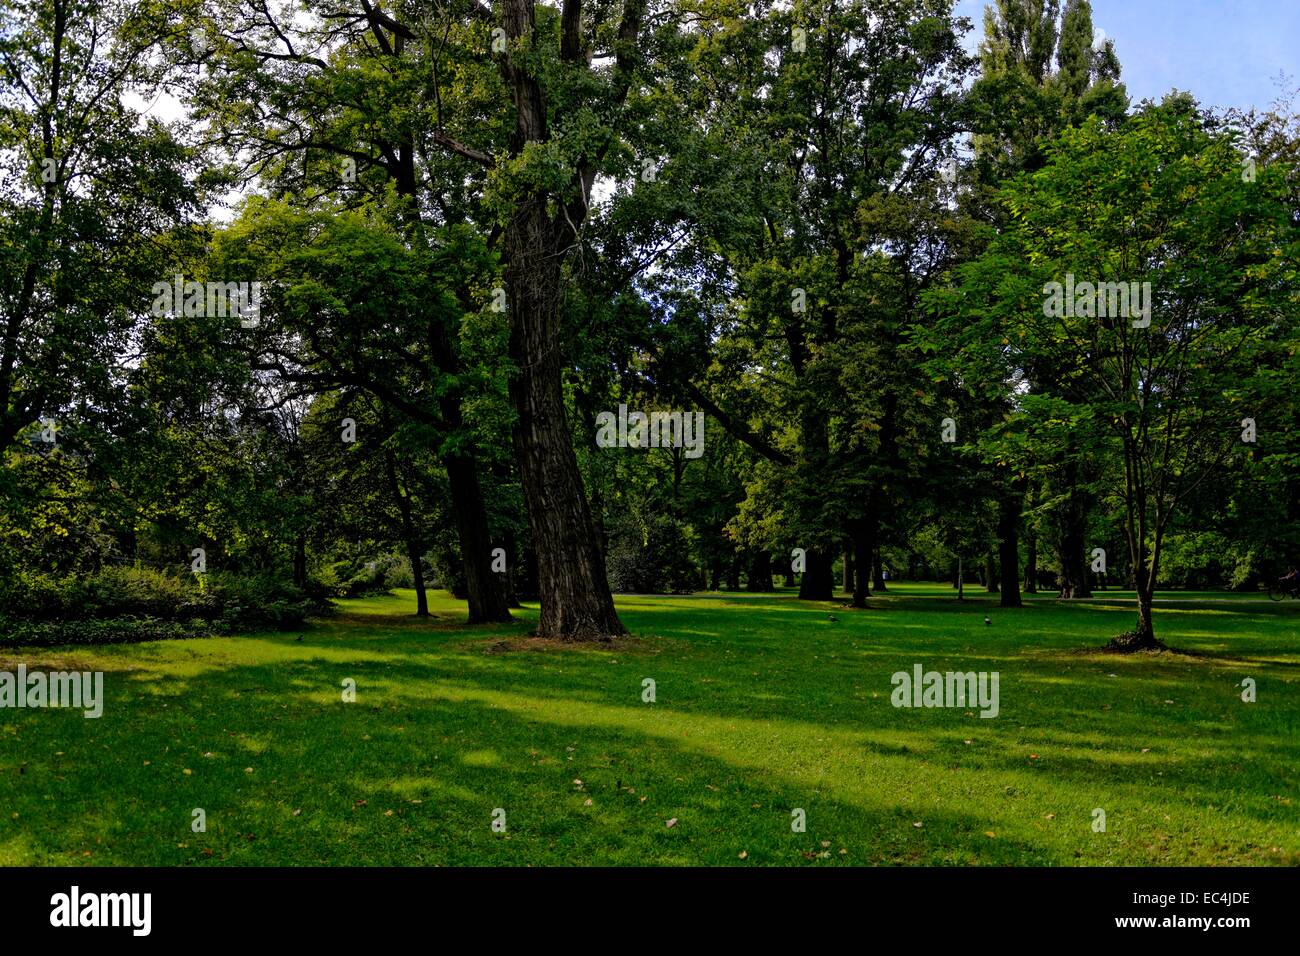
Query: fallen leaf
point(744, 854)
point(671, 823)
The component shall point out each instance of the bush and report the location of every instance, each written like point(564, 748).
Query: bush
point(111, 592)
point(132, 601)
point(651, 560)
point(121, 630)
point(256, 601)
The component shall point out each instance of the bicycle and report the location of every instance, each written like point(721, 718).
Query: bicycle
point(1278, 592)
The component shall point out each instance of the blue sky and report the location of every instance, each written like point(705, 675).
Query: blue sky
point(1225, 52)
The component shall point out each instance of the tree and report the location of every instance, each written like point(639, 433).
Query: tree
point(1167, 366)
point(85, 190)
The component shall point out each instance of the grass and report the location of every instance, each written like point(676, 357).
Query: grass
point(763, 704)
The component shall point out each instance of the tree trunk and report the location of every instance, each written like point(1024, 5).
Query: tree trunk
point(790, 582)
point(413, 549)
point(300, 561)
point(1009, 547)
point(961, 580)
point(575, 597)
point(1144, 634)
point(848, 570)
point(877, 571)
point(818, 582)
point(760, 572)
point(715, 574)
point(485, 589)
point(862, 558)
point(990, 573)
point(1074, 567)
point(1031, 564)
point(733, 573)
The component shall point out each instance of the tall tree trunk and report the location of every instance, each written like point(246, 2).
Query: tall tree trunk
point(961, 580)
point(733, 573)
point(1144, 635)
point(760, 572)
point(715, 574)
point(575, 597)
point(485, 589)
point(409, 537)
point(877, 571)
point(862, 547)
point(1031, 563)
point(1009, 547)
point(300, 561)
point(848, 570)
point(990, 573)
point(818, 582)
point(1074, 532)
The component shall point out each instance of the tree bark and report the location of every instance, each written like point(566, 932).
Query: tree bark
point(486, 590)
point(760, 572)
point(300, 561)
point(848, 570)
point(990, 573)
point(877, 571)
point(576, 603)
point(818, 582)
point(862, 558)
point(1074, 567)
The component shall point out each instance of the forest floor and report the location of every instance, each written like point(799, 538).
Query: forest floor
point(763, 706)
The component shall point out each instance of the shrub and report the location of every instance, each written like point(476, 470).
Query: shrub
point(122, 603)
point(121, 630)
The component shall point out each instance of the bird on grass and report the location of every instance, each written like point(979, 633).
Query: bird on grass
point(987, 622)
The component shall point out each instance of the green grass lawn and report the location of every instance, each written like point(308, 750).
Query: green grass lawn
point(763, 705)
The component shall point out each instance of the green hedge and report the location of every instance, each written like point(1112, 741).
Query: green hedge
point(115, 603)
